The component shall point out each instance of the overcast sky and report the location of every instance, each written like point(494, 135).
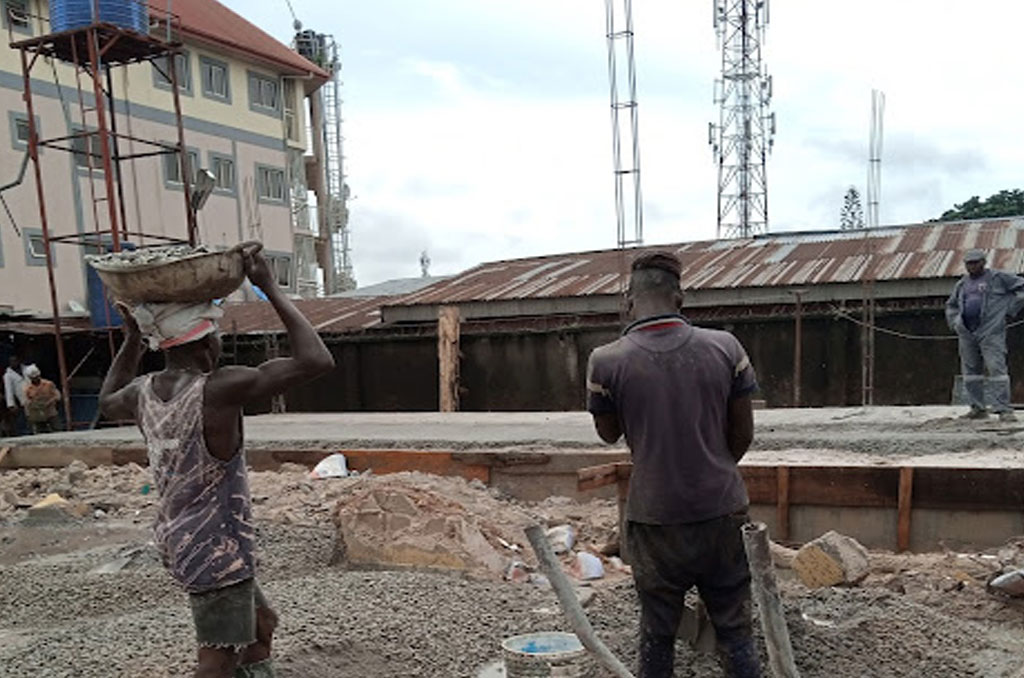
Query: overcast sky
point(479, 130)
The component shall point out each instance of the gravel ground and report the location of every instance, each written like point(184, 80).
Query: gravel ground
point(924, 615)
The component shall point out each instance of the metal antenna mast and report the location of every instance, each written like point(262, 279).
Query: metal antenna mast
point(875, 156)
point(874, 193)
point(629, 215)
point(745, 132)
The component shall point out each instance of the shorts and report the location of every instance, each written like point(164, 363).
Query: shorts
point(226, 618)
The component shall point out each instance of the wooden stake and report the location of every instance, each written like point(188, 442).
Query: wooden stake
point(448, 358)
point(904, 506)
point(782, 501)
point(766, 592)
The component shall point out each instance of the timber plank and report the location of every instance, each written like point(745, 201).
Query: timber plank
point(969, 489)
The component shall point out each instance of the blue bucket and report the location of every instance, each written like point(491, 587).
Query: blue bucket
point(66, 15)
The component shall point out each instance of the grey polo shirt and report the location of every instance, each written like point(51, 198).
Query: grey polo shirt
point(670, 384)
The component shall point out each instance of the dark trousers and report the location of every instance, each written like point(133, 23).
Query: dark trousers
point(667, 561)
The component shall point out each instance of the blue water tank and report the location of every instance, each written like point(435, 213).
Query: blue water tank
point(66, 15)
point(102, 311)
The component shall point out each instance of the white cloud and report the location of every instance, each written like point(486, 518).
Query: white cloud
point(481, 130)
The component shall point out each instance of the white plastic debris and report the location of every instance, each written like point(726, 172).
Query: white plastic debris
point(334, 466)
point(1010, 584)
point(588, 566)
point(561, 538)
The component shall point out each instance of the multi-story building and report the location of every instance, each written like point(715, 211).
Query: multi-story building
point(243, 110)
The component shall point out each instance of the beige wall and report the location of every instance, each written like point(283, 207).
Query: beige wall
point(211, 126)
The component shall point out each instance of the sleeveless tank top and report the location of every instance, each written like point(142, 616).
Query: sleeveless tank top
point(203, 527)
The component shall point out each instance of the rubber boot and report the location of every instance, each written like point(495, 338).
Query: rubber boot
point(740, 660)
point(657, 655)
point(263, 669)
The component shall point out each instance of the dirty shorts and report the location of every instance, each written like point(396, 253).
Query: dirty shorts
point(226, 618)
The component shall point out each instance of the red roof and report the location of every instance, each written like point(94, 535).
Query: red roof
point(212, 22)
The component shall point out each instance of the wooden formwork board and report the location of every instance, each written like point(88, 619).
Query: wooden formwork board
point(901, 488)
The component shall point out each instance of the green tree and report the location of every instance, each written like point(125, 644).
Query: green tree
point(1007, 203)
point(852, 214)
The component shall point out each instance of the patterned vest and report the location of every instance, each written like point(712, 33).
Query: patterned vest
point(203, 526)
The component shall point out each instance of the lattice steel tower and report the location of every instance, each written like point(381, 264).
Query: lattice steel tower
point(745, 131)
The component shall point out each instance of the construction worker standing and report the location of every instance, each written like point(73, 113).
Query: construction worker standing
point(681, 395)
point(977, 311)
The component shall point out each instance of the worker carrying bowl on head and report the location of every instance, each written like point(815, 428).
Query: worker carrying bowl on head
point(190, 415)
point(977, 311)
point(682, 397)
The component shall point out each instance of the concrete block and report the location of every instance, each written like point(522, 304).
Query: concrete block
point(831, 559)
point(55, 508)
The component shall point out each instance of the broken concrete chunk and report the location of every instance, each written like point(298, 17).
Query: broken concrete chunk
point(782, 557)
point(16, 501)
point(400, 504)
point(561, 538)
point(55, 508)
point(831, 559)
point(75, 471)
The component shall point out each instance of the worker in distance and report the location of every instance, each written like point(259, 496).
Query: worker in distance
point(977, 311)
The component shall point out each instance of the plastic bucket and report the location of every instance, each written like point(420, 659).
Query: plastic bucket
point(548, 654)
point(66, 15)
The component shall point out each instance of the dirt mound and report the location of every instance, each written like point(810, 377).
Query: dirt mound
point(420, 521)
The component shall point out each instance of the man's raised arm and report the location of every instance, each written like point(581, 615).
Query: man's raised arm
point(309, 357)
point(119, 394)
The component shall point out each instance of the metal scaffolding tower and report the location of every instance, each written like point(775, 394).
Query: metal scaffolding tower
point(94, 51)
point(745, 131)
point(328, 141)
point(629, 217)
point(337, 189)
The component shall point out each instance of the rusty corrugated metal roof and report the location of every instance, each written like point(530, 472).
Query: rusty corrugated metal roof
point(933, 250)
point(326, 315)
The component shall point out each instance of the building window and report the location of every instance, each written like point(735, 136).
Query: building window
point(270, 184)
point(86, 146)
point(291, 119)
point(20, 131)
point(35, 247)
point(264, 94)
point(172, 166)
point(216, 79)
point(162, 74)
point(223, 169)
point(16, 16)
point(282, 265)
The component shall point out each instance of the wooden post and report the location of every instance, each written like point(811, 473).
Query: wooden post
point(766, 592)
point(903, 508)
point(448, 358)
point(782, 501)
point(798, 345)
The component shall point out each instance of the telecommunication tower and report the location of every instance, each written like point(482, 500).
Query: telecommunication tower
point(629, 215)
point(745, 132)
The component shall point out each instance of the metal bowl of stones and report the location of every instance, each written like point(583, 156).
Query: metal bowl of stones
point(549, 654)
point(180, 273)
